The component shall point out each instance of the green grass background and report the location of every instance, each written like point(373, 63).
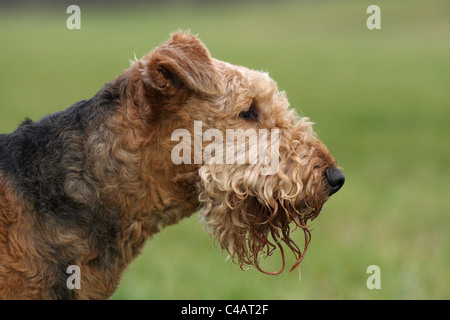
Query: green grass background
point(380, 100)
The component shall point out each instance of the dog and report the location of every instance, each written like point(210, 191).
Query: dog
point(84, 188)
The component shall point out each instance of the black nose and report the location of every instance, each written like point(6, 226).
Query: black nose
point(335, 179)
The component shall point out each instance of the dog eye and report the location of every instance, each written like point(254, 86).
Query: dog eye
point(250, 114)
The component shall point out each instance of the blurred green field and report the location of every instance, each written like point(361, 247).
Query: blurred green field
point(380, 100)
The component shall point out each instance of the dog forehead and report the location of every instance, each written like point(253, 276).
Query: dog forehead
point(257, 84)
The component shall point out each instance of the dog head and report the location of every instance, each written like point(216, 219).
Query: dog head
point(226, 134)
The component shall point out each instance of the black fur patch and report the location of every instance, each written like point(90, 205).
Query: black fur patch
point(38, 158)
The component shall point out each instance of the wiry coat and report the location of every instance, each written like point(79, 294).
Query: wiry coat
point(81, 187)
point(89, 185)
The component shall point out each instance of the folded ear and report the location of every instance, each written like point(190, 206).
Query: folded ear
point(182, 62)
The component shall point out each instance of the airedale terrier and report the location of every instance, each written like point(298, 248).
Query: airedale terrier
point(87, 186)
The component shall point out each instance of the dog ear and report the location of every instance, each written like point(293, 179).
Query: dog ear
point(183, 61)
